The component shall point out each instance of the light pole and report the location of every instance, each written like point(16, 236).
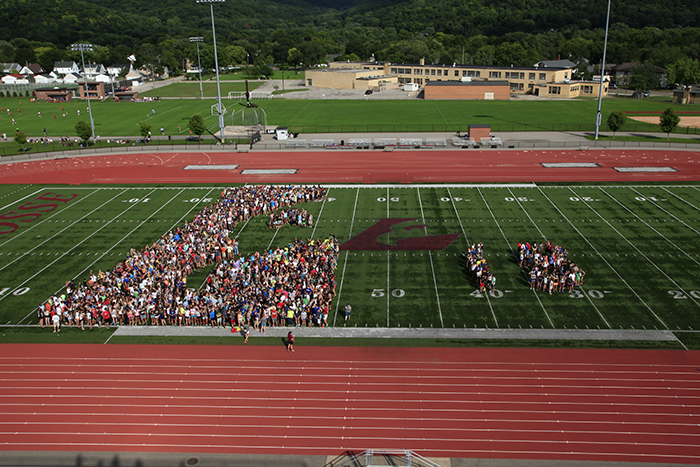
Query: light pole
point(197, 40)
point(216, 63)
point(599, 115)
point(83, 48)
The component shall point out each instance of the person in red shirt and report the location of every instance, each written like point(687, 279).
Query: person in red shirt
point(290, 342)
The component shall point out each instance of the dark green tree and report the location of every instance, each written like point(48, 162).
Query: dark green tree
point(21, 138)
point(145, 130)
point(83, 129)
point(615, 121)
point(196, 124)
point(684, 71)
point(644, 77)
point(669, 121)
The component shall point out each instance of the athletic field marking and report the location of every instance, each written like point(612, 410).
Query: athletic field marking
point(272, 239)
point(320, 213)
point(591, 245)
point(545, 237)
point(388, 255)
point(513, 252)
point(645, 256)
point(347, 253)
point(430, 255)
point(686, 202)
point(645, 169)
point(48, 219)
point(65, 253)
point(169, 229)
point(632, 244)
point(211, 167)
point(656, 205)
point(7, 206)
point(71, 224)
point(652, 228)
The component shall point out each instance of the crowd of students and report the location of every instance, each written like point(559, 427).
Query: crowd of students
point(479, 268)
point(290, 285)
point(296, 217)
point(548, 267)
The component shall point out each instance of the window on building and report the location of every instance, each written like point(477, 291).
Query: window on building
point(432, 72)
point(508, 75)
point(408, 71)
point(543, 76)
point(419, 80)
point(513, 86)
point(555, 89)
point(521, 86)
point(394, 71)
point(478, 74)
point(408, 80)
point(531, 76)
point(494, 74)
point(417, 71)
point(439, 72)
point(401, 80)
point(456, 72)
point(531, 86)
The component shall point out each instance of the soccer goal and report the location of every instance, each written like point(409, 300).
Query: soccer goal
point(215, 109)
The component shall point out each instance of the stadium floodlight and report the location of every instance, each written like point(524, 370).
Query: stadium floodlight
point(197, 40)
point(216, 64)
point(83, 48)
point(599, 115)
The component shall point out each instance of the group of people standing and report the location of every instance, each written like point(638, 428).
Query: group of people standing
point(479, 268)
point(150, 286)
point(548, 267)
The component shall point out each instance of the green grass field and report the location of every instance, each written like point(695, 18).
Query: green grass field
point(191, 89)
point(122, 118)
point(637, 244)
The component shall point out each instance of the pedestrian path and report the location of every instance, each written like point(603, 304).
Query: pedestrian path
point(406, 333)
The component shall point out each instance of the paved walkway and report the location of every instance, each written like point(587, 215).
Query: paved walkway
point(408, 333)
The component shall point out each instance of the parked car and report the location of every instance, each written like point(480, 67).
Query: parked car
point(368, 92)
point(193, 138)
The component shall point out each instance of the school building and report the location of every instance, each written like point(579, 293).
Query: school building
point(548, 82)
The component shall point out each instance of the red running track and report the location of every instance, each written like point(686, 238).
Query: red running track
point(357, 166)
point(607, 405)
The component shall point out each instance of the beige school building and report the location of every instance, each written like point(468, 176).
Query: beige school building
point(547, 82)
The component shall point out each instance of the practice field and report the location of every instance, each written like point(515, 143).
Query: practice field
point(401, 260)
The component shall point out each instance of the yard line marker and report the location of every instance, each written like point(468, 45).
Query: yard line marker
point(635, 247)
point(638, 250)
point(458, 218)
point(432, 266)
point(652, 228)
point(347, 253)
point(387, 261)
point(656, 205)
point(62, 230)
point(686, 202)
point(320, 214)
point(488, 300)
point(589, 243)
point(74, 246)
point(48, 219)
point(513, 252)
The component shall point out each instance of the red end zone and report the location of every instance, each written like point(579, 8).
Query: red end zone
point(417, 166)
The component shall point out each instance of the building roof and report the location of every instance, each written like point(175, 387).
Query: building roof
point(556, 64)
point(468, 83)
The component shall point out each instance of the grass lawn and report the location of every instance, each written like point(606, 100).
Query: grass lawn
point(303, 115)
point(636, 243)
point(191, 89)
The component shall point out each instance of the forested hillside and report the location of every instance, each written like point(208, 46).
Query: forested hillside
point(293, 32)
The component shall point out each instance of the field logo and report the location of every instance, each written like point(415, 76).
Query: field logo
point(369, 239)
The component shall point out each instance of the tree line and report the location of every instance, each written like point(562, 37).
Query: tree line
point(304, 33)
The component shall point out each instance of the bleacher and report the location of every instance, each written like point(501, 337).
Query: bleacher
point(295, 143)
point(360, 143)
point(463, 142)
point(410, 143)
point(383, 143)
point(322, 143)
point(492, 141)
point(434, 143)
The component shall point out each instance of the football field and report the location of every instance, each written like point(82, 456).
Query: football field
point(401, 262)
